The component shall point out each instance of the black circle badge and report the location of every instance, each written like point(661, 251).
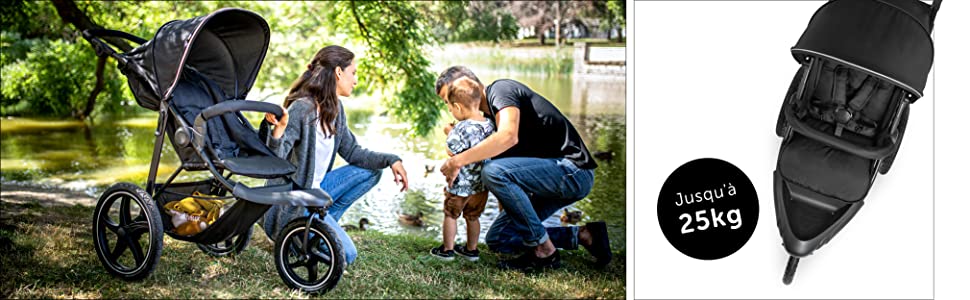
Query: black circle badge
point(707, 209)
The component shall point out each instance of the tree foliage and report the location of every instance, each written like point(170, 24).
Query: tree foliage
point(396, 34)
point(463, 21)
point(49, 70)
point(54, 74)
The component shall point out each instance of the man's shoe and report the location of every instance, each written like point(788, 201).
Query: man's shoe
point(440, 253)
point(471, 255)
point(600, 244)
point(528, 262)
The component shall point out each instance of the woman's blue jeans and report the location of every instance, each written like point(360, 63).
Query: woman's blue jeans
point(345, 185)
point(531, 190)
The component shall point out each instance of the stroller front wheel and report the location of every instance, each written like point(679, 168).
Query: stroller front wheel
point(318, 268)
point(790, 270)
point(127, 238)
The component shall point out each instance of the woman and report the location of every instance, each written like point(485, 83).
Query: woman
point(312, 131)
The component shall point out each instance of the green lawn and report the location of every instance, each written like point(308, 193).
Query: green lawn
point(48, 253)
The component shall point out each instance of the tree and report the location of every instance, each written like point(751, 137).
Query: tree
point(396, 34)
point(392, 34)
point(545, 15)
point(460, 21)
point(70, 13)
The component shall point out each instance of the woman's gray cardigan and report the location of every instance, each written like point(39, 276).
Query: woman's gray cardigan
point(297, 145)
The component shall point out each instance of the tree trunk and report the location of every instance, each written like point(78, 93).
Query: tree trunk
point(542, 34)
point(70, 13)
point(558, 23)
point(98, 86)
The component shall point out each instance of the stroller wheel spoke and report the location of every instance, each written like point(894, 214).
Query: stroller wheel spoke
point(318, 256)
point(296, 264)
point(312, 271)
point(120, 246)
point(136, 250)
point(298, 245)
point(125, 211)
point(136, 229)
point(110, 225)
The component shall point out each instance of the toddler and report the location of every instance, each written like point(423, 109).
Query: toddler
point(467, 195)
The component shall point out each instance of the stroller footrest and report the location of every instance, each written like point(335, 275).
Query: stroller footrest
point(283, 194)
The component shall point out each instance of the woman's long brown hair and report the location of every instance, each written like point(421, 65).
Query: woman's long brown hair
point(319, 83)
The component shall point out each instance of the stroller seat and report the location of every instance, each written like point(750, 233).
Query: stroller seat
point(231, 137)
point(257, 166)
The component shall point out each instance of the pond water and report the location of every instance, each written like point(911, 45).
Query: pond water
point(90, 157)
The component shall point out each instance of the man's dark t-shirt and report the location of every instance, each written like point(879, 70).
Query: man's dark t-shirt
point(543, 131)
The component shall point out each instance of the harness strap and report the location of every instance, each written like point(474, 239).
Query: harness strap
point(847, 114)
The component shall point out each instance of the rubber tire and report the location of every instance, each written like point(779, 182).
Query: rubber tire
point(284, 239)
point(155, 231)
point(238, 245)
point(888, 162)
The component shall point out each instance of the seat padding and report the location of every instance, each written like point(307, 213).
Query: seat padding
point(258, 166)
point(824, 169)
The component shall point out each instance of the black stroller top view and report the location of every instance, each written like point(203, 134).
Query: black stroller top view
point(196, 73)
point(863, 63)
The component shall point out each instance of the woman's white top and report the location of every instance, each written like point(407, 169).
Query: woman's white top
point(323, 152)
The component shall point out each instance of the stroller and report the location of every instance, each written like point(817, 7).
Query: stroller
point(196, 73)
point(863, 63)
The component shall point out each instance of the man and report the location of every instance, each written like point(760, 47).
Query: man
point(539, 165)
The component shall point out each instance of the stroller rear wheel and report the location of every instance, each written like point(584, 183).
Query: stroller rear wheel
point(229, 247)
point(316, 269)
point(127, 231)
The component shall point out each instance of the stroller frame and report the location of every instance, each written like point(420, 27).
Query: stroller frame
point(303, 243)
point(810, 210)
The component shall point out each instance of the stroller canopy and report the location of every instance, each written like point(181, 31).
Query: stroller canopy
point(886, 38)
point(226, 46)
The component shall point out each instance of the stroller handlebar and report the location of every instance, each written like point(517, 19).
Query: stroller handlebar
point(231, 106)
point(240, 105)
point(94, 36)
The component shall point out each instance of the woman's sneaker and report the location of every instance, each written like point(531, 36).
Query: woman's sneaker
point(471, 255)
point(440, 253)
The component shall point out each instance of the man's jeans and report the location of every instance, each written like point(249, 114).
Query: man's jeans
point(531, 190)
point(345, 185)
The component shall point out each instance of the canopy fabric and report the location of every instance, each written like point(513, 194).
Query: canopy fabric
point(227, 46)
point(886, 38)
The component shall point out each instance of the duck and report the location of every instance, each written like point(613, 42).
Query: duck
point(570, 217)
point(603, 155)
point(361, 225)
point(411, 220)
point(428, 169)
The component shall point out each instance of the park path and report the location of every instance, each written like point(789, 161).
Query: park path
point(45, 196)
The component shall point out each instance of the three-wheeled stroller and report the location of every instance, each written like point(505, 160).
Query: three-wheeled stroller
point(196, 73)
point(863, 62)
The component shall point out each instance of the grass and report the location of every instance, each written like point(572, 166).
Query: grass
point(48, 253)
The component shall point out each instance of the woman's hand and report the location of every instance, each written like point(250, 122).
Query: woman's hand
point(450, 169)
point(400, 176)
point(280, 124)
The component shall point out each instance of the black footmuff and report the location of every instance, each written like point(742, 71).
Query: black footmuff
point(863, 63)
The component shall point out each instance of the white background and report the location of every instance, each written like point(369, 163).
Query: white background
point(708, 80)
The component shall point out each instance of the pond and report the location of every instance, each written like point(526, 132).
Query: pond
point(70, 154)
